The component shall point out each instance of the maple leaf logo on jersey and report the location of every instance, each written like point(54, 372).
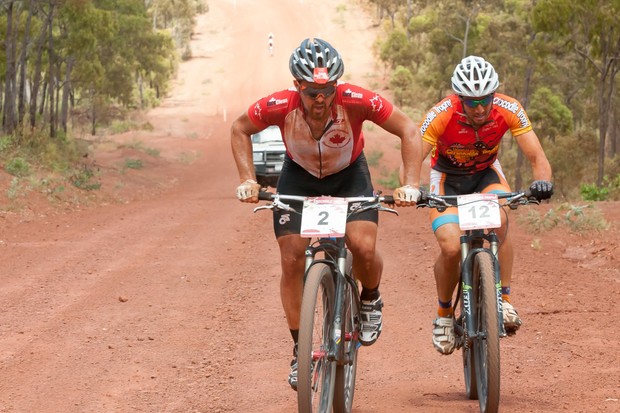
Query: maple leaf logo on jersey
point(337, 139)
point(257, 111)
point(377, 103)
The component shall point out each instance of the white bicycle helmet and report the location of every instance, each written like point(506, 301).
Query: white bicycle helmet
point(316, 61)
point(474, 77)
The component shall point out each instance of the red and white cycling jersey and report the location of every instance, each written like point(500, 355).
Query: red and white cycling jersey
point(343, 140)
point(458, 148)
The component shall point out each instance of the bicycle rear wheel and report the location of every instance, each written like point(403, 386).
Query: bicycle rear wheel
point(346, 369)
point(316, 374)
point(486, 342)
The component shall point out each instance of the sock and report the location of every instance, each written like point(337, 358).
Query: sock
point(506, 294)
point(444, 309)
point(370, 294)
point(295, 335)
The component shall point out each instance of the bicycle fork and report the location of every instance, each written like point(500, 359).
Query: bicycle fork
point(468, 253)
point(338, 324)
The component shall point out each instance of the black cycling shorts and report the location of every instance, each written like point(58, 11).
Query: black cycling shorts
point(354, 180)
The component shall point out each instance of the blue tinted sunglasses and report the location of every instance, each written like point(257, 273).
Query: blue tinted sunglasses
point(472, 103)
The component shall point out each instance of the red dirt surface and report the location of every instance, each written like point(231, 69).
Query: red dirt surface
point(159, 292)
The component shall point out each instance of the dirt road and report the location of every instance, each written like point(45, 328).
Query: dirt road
point(160, 292)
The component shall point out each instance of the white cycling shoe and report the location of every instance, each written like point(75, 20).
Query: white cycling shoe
point(444, 339)
point(372, 321)
point(512, 321)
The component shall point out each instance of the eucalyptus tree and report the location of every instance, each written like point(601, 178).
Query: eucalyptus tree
point(590, 30)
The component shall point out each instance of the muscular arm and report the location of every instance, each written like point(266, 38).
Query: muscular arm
point(411, 146)
point(533, 151)
point(241, 130)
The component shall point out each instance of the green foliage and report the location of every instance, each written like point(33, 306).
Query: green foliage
point(577, 218)
point(397, 50)
point(549, 114)
point(6, 142)
point(572, 157)
point(609, 191)
point(133, 163)
point(401, 82)
point(391, 181)
point(83, 177)
point(18, 167)
point(374, 158)
point(591, 192)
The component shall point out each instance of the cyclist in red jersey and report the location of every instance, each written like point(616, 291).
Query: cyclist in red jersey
point(321, 123)
point(463, 133)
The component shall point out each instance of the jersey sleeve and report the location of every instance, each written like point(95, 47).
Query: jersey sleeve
point(435, 121)
point(515, 116)
point(272, 109)
point(365, 104)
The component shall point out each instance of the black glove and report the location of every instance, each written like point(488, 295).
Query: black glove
point(541, 190)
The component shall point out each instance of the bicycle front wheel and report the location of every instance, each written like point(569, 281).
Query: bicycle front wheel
point(486, 342)
point(316, 374)
point(347, 368)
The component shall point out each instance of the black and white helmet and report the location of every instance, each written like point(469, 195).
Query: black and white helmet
point(474, 77)
point(316, 61)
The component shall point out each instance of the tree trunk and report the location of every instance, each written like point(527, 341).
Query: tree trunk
point(51, 74)
point(66, 92)
point(21, 103)
point(36, 82)
point(8, 115)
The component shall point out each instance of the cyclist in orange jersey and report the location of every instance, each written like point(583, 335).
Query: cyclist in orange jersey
point(462, 133)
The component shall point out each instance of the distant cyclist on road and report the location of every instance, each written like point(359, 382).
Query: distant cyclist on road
point(463, 134)
point(321, 122)
point(270, 43)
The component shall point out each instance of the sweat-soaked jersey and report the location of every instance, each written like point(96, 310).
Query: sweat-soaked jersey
point(342, 141)
point(459, 149)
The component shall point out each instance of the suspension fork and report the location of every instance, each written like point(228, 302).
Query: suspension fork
point(494, 247)
point(471, 244)
point(336, 351)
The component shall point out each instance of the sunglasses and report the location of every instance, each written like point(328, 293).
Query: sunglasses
point(472, 103)
point(313, 92)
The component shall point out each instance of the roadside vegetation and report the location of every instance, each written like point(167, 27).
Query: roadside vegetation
point(558, 57)
point(71, 69)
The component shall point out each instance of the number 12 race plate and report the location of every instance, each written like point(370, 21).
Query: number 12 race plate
point(324, 217)
point(478, 211)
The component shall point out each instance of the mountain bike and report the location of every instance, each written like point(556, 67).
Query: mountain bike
point(330, 321)
point(478, 312)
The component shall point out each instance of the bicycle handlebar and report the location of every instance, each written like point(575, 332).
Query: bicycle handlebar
point(441, 202)
point(270, 196)
point(277, 198)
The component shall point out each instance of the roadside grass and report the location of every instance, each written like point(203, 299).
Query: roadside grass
point(577, 218)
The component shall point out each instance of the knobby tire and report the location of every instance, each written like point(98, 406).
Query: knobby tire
point(316, 374)
point(469, 358)
point(486, 346)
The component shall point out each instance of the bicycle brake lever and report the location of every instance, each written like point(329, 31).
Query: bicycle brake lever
point(263, 207)
point(386, 209)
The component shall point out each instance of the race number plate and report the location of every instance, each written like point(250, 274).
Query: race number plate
point(324, 217)
point(477, 211)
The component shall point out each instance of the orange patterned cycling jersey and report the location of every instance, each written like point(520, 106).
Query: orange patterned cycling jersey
point(458, 148)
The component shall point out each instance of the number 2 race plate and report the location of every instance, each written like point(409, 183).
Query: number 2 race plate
point(324, 217)
point(477, 211)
